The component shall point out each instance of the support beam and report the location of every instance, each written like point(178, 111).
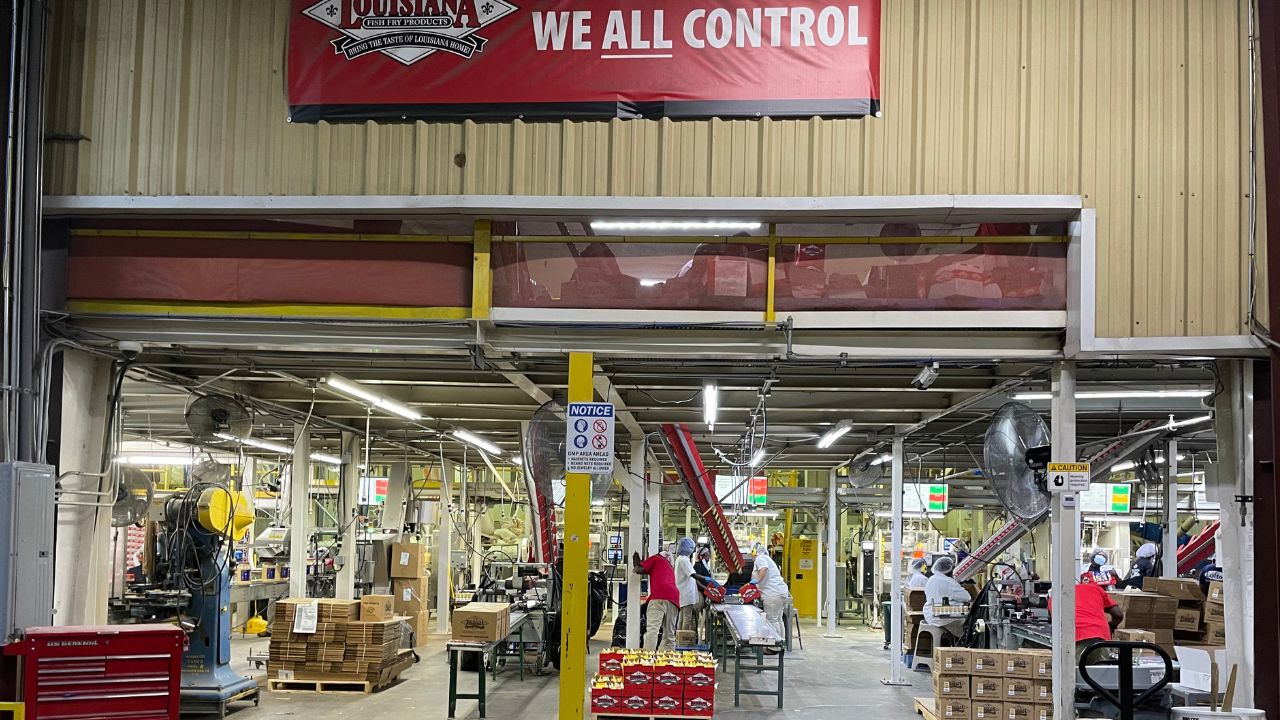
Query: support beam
point(635, 537)
point(577, 529)
point(348, 499)
point(820, 597)
point(833, 551)
point(1064, 540)
point(1169, 548)
point(481, 271)
point(442, 563)
point(82, 554)
point(1233, 476)
point(895, 577)
point(299, 511)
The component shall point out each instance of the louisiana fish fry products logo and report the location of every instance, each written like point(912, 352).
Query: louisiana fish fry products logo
point(408, 30)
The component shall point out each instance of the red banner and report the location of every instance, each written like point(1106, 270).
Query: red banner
point(582, 59)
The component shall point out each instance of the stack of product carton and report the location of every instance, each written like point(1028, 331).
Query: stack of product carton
point(335, 641)
point(1188, 613)
point(481, 622)
point(409, 578)
point(1148, 617)
point(912, 616)
point(993, 684)
point(1214, 618)
point(641, 682)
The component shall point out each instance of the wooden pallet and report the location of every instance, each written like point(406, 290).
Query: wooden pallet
point(348, 687)
point(925, 707)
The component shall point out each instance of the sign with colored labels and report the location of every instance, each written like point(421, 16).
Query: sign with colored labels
point(590, 438)
point(925, 498)
point(1107, 498)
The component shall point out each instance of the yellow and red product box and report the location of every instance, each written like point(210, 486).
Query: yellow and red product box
point(611, 661)
point(606, 694)
point(637, 668)
point(699, 701)
point(635, 704)
point(667, 700)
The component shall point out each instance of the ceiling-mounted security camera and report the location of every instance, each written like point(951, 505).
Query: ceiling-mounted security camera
point(130, 350)
point(924, 379)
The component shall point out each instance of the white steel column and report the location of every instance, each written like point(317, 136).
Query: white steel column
point(442, 563)
point(348, 500)
point(833, 552)
point(1064, 540)
point(299, 511)
point(82, 553)
point(1169, 549)
point(655, 507)
point(820, 570)
point(1234, 475)
point(635, 538)
point(895, 575)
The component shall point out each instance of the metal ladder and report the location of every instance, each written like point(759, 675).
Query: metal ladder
point(701, 485)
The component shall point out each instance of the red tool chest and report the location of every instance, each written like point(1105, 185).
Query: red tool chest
point(110, 671)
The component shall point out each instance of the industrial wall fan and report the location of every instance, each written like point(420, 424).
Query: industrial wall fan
point(133, 497)
point(1014, 455)
point(211, 472)
point(544, 462)
point(211, 417)
point(865, 471)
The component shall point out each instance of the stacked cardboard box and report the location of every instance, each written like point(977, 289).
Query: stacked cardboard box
point(340, 648)
point(640, 682)
point(1187, 614)
point(912, 616)
point(993, 684)
point(1213, 621)
point(409, 596)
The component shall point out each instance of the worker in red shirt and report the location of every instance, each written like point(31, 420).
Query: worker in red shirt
point(1096, 616)
point(663, 609)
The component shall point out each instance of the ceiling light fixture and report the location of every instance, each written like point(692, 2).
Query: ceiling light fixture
point(517, 461)
point(710, 404)
point(1118, 394)
point(882, 459)
point(154, 460)
point(278, 448)
point(1188, 422)
point(677, 225)
point(829, 438)
point(354, 389)
point(472, 439)
point(758, 459)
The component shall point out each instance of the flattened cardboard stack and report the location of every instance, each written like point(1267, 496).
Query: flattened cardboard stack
point(1188, 614)
point(993, 684)
point(913, 615)
point(1213, 621)
point(342, 648)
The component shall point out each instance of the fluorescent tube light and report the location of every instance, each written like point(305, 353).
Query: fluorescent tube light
point(710, 404)
point(1112, 518)
point(1118, 394)
point(760, 514)
point(473, 439)
point(517, 460)
point(356, 390)
point(1191, 421)
point(758, 458)
point(650, 282)
point(154, 460)
point(678, 225)
point(882, 459)
point(278, 448)
point(831, 436)
point(911, 515)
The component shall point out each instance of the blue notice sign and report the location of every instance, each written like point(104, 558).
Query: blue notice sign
point(590, 433)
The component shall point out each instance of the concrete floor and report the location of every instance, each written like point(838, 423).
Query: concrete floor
point(828, 680)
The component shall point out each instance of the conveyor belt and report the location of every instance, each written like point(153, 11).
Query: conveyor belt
point(701, 484)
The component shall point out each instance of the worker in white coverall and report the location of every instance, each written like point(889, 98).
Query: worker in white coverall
point(918, 579)
point(773, 589)
point(942, 589)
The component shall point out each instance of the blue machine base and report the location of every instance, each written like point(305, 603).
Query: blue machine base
point(209, 693)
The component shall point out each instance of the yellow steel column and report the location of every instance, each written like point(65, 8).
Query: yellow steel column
point(481, 271)
point(770, 314)
point(577, 527)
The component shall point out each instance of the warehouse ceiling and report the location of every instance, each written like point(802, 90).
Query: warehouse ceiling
point(789, 405)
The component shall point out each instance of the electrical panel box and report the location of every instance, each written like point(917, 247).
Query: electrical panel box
point(26, 547)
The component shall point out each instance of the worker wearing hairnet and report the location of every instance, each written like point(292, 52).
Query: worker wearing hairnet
point(1145, 565)
point(918, 579)
point(687, 585)
point(1100, 571)
point(942, 589)
point(773, 589)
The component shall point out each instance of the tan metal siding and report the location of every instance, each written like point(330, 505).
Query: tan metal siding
point(1136, 105)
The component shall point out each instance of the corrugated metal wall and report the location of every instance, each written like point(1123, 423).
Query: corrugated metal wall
point(1139, 106)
